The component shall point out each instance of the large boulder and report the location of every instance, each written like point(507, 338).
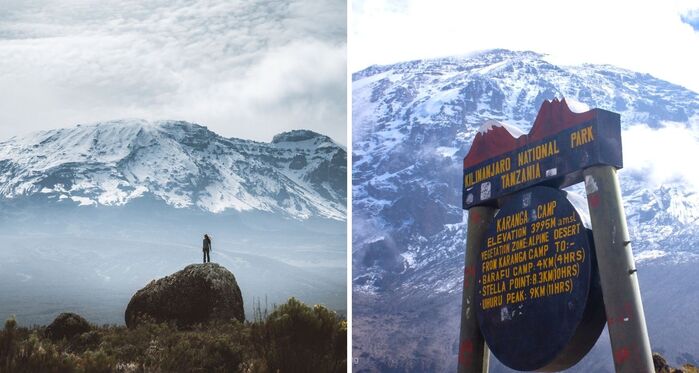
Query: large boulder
point(199, 293)
point(67, 325)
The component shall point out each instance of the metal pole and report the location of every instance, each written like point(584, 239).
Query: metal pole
point(473, 352)
point(618, 276)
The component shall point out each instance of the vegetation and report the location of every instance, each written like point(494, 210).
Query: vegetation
point(296, 338)
point(292, 338)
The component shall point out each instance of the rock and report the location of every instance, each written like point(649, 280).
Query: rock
point(67, 325)
point(199, 293)
point(661, 366)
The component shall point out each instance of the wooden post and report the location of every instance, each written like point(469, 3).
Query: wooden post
point(473, 352)
point(618, 276)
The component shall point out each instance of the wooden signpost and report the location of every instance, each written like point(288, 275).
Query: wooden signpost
point(539, 284)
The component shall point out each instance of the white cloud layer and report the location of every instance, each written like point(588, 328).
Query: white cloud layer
point(691, 17)
point(663, 155)
point(644, 36)
point(249, 69)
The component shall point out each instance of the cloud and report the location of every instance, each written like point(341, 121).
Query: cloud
point(691, 17)
point(247, 69)
point(663, 155)
point(648, 37)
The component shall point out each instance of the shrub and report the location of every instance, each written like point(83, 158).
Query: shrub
point(8, 344)
point(293, 338)
point(298, 338)
point(35, 355)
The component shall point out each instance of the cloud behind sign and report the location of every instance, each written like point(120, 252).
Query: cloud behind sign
point(691, 17)
point(663, 155)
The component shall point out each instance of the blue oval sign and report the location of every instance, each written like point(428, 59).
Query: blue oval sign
point(538, 296)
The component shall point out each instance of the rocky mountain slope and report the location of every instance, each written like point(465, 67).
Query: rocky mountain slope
point(414, 122)
point(300, 174)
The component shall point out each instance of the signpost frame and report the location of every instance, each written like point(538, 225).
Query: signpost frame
point(618, 275)
point(592, 143)
point(473, 351)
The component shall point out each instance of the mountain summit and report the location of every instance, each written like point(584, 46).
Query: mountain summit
point(300, 174)
point(299, 136)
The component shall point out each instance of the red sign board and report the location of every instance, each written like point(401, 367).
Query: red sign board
point(559, 146)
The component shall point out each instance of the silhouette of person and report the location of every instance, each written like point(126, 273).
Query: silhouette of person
point(207, 248)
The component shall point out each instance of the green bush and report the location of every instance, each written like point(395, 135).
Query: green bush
point(298, 338)
point(31, 354)
point(8, 344)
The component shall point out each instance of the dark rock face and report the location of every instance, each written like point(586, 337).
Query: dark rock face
point(297, 135)
point(197, 294)
point(67, 325)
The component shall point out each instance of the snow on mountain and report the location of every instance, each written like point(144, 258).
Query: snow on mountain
point(300, 173)
point(414, 122)
point(407, 114)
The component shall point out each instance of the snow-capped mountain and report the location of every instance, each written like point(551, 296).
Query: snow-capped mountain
point(300, 174)
point(414, 122)
point(90, 214)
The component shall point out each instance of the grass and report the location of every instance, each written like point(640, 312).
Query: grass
point(292, 338)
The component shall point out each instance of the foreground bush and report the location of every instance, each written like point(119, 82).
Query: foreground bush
point(297, 338)
point(293, 338)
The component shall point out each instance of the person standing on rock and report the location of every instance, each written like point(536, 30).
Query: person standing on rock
point(207, 248)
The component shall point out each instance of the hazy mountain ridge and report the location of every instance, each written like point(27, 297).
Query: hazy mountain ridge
point(300, 174)
point(413, 124)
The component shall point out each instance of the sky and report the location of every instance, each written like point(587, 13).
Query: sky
point(659, 37)
point(246, 68)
